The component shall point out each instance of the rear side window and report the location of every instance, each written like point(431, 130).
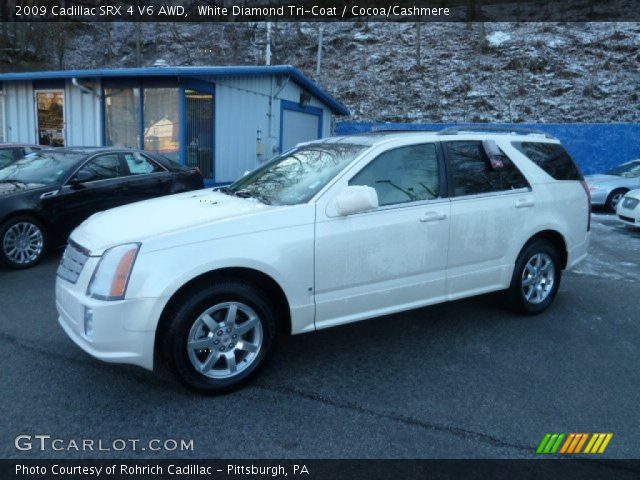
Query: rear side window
point(473, 173)
point(140, 165)
point(552, 158)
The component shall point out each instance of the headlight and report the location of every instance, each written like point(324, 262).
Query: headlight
point(110, 279)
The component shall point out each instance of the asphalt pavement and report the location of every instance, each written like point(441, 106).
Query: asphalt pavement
point(464, 379)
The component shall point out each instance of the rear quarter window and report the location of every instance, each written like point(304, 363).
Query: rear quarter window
point(552, 158)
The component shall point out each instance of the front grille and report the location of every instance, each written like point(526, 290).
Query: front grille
point(630, 203)
point(72, 262)
point(627, 219)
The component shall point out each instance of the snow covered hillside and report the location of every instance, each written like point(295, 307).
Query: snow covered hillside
point(493, 72)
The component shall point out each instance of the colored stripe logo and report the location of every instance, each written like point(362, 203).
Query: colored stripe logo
point(573, 443)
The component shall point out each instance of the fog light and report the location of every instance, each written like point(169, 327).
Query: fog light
point(88, 322)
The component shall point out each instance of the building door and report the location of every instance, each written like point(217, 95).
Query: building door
point(50, 117)
point(298, 124)
point(199, 132)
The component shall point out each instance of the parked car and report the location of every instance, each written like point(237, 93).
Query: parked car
point(44, 196)
point(608, 189)
point(331, 232)
point(628, 210)
point(10, 152)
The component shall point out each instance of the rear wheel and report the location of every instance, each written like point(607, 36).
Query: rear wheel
point(536, 278)
point(23, 242)
point(220, 337)
point(614, 198)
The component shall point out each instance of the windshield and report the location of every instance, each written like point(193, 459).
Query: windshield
point(628, 170)
point(44, 168)
point(296, 176)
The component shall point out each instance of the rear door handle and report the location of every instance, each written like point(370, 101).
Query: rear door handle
point(524, 203)
point(433, 217)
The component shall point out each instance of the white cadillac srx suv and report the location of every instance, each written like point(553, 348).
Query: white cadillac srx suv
point(331, 232)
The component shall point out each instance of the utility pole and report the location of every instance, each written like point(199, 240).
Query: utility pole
point(267, 54)
point(319, 58)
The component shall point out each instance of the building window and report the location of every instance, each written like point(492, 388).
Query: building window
point(50, 117)
point(162, 121)
point(122, 117)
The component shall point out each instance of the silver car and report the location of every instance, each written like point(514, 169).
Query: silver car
point(608, 189)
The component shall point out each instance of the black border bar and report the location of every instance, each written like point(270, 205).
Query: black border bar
point(320, 469)
point(319, 10)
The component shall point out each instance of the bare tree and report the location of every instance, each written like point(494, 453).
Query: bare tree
point(177, 37)
point(418, 44)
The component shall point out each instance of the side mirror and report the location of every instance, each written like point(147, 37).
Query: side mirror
point(355, 199)
point(81, 177)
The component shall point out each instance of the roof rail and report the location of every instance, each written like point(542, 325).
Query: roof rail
point(399, 129)
point(492, 129)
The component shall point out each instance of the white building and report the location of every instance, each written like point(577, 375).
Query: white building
point(225, 120)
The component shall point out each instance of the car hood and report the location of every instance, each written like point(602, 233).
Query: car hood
point(604, 178)
point(154, 218)
point(633, 194)
point(7, 188)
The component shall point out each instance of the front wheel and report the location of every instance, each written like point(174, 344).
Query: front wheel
point(614, 199)
point(23, 242)
point(220, 337)
point(536, 278)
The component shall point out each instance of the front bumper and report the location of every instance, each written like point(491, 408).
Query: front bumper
point(112, 339)
point(629, 216)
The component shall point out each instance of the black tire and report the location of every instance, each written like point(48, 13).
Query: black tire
point(9, 226)
point(516, 296)
point(176, 352)
point(613, 199)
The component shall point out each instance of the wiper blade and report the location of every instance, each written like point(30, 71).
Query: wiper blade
point(257, 196)
point(226, 190)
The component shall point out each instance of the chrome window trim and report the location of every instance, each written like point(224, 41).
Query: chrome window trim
point(398, 206)
point(499, 193)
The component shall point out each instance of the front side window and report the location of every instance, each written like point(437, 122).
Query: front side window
point(401, 175)
point(139, 164)
point(104, 167)
point(473, 173)
point(298, 175)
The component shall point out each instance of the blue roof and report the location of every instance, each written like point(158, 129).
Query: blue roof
point(296, 75)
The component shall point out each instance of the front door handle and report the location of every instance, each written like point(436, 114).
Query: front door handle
point(525, 203)
point(433, 217)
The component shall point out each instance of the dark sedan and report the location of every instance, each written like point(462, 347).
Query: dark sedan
point(44, 196)
point(10, 152)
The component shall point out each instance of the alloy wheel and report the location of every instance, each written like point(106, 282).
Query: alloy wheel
point(538, 277)
point(225, 340)
point(23, 243)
